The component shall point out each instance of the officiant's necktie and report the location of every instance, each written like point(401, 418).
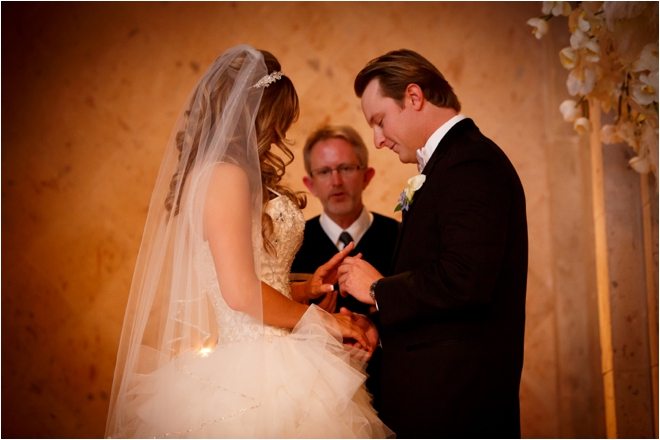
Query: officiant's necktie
point(349, 302)
point(345, 238)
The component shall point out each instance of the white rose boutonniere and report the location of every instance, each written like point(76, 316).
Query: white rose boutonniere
point(406, 199)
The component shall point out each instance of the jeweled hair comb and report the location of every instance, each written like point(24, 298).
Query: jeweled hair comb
point(268, 80)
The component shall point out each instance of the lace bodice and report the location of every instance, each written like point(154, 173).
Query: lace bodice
point(288, 228)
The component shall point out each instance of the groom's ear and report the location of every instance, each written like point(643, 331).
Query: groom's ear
point(415, 96)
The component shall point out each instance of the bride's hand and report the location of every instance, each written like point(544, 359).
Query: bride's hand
point(352, 333)
point(325, 277)
point(328, 302)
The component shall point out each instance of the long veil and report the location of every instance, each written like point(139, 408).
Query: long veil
point(168, 313)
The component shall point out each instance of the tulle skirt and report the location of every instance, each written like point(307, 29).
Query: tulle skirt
point(302, 385)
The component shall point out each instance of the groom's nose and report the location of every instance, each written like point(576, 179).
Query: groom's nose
point(379, 139)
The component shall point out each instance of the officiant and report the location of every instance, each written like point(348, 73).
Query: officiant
point(336, 161)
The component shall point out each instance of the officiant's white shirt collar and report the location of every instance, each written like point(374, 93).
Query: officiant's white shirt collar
point(425, 153)
point(357, 229)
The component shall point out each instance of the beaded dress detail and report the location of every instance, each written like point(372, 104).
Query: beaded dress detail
point(288, 229)
point(289, 226)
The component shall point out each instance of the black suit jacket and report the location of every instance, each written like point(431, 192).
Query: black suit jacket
point(377, 246)
point(452, 315)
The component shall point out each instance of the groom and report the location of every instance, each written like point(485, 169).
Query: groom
point(452, 315)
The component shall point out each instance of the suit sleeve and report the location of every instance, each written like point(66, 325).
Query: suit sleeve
point(460, 245)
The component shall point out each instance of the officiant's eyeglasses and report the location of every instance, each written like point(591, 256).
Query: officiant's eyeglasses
point(345, 171)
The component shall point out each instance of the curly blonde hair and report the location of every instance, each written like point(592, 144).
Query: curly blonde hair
point(278, 109)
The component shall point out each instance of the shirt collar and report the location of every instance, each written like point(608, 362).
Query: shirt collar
point(357, 229)
point(425, 153)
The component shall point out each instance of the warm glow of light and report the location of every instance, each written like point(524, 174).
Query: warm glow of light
point(205, 351)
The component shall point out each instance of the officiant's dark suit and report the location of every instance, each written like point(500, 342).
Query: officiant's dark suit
point(376, 247)
point(452, 313)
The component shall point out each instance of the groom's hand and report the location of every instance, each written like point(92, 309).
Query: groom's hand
point(353, 334)
point(357, 350)
point(356, 277)
point(365, 324)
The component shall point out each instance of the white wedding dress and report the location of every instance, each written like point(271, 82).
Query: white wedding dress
point(311, 387)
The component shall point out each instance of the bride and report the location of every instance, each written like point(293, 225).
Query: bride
point(216, 342)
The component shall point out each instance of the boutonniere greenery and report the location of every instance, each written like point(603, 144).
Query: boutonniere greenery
point(406, 199)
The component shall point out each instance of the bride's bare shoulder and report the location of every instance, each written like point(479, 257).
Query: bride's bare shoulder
point(228, 175)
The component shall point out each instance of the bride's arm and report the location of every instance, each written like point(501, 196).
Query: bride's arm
point(280, 310)
point(228, 227)
point(228, 219)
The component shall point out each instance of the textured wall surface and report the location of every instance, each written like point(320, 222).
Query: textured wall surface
point(91, 91)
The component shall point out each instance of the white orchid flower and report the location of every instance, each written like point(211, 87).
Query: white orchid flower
point(592, 51)
point(648, 59)
point(582, 83)
point(573, 83)
point(582, 125)
point(579, 39)
point(610, 135)
point(589, 81)
point(547, 7)
point(569, 57)
point(645, 89)
point(641, 164)
point(583, 24)
point(406, 197)
point(557, 8)
point(569, 110)
point(540, 27)
point(416, 182)
point(651, 81)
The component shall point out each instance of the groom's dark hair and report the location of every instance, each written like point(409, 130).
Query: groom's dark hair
point(396, 69)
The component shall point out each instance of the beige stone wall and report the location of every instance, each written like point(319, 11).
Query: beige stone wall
point(91, 91)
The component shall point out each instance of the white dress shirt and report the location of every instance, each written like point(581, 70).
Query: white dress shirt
point(424, 154)
point(357, 229)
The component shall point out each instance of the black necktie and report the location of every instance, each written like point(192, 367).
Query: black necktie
point(345, 238)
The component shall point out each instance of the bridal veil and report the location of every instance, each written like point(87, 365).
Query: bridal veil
point(168, 313)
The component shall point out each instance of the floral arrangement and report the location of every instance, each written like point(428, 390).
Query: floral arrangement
point(612, 58)
point(406, 198)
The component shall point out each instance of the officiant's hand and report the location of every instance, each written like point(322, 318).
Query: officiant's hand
point(365, 324)
point(356, 277)
point(326, 276)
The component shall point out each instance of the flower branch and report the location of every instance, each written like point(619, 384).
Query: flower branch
point(613, 59)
